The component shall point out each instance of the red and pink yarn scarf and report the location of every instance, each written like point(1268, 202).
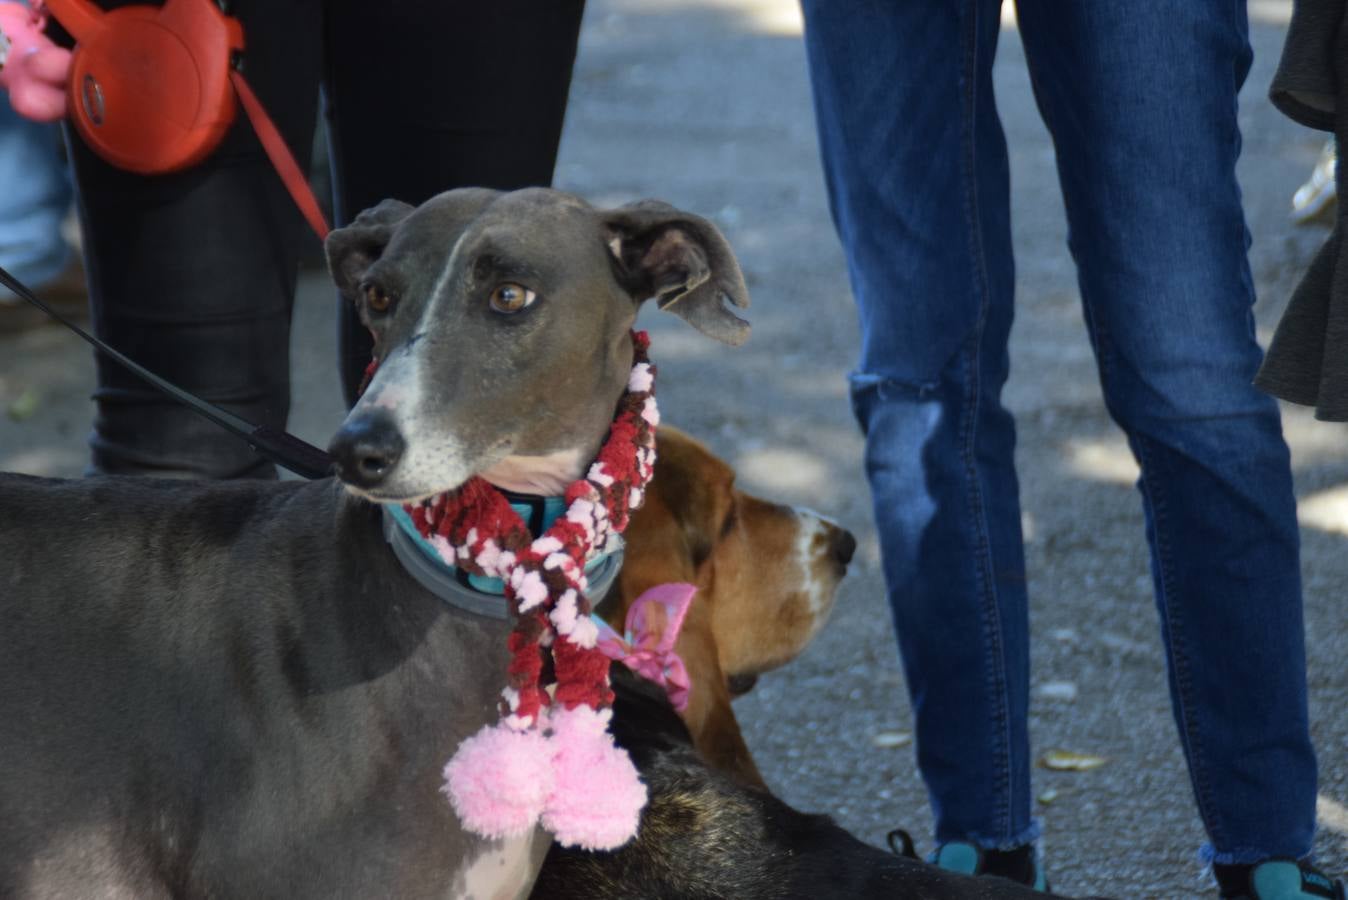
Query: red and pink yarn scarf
point(550, 759)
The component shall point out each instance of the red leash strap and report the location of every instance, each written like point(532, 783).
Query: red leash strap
point(281, 157)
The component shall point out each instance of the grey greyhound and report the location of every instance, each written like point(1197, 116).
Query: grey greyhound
point(235, 690)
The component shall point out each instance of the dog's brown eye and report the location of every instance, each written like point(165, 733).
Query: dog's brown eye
point(511, 298)
point(377, 299)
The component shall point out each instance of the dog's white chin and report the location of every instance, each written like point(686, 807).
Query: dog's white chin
point(544, 476)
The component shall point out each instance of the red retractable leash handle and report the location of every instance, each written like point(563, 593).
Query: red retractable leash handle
point(152, 89)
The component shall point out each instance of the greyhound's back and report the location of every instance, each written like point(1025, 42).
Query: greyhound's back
point(229, 690)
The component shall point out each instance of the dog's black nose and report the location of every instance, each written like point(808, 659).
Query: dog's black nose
point(366, 449)
point(844, 546)
point(741, 684)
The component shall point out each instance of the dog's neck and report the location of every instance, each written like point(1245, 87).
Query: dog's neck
point(479, 594)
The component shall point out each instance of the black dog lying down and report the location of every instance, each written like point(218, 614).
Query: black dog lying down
point(704, 836)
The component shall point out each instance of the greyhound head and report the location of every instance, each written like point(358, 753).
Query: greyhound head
point(502, 328)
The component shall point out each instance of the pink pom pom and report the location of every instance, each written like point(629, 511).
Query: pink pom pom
point(499, 780)
point(597, 797)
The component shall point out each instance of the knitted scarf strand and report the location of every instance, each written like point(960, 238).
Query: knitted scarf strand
point(551, 758)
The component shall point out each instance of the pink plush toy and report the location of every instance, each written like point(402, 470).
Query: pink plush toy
point(32, 68)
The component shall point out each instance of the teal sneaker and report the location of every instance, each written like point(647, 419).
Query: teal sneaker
point(1277, 879)
point(1021, 865)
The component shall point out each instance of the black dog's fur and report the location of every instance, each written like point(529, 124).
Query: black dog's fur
point(704, 836)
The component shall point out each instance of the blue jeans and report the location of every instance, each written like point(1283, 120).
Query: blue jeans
point(1141, 101)
point(34, 199)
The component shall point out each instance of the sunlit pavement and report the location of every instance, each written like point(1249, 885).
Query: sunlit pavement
point(706, 105)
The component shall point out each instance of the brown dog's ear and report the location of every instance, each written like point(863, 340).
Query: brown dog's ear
point(709, 716)
point(352, 248)
point(684, 262)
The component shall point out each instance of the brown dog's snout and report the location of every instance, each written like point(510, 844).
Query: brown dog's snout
point(366, 449)
point(842, 545)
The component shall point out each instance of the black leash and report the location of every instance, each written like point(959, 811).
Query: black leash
point(281, 447)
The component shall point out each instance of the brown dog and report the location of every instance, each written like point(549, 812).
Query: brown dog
point(766, 576)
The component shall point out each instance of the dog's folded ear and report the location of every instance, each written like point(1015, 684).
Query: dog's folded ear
point(352, 248)
point(682, 261)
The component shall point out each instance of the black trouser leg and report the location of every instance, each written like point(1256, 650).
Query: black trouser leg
point(427, 95)
point(193, 274)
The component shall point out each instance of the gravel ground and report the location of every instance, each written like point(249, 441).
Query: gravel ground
point(705, 103)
